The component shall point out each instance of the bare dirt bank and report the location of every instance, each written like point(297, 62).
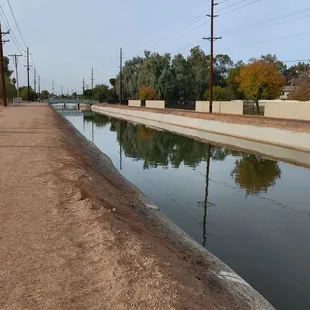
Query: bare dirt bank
point(75, 235)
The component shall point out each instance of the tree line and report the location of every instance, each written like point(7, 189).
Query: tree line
point(167, 77)
point(156, 76)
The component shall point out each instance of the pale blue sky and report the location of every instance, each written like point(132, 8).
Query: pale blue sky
point(68, 37)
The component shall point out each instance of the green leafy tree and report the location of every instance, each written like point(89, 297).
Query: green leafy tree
point(7, 71)
point(220, 93)
point(231, 80)
point(23, 93)
point(45, 94)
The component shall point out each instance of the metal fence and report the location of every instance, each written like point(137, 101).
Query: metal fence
point(180, 104)
point(250, 108)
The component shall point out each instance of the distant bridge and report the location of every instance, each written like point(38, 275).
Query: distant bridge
point(69, 101)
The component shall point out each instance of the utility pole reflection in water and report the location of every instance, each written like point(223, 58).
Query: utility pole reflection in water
point(92, 130)
point(205, 216)
point(120, 146)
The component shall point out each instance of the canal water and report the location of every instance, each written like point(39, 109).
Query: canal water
point(251, 212)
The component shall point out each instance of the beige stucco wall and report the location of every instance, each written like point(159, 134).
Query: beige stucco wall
point(228, 107)
point(288, 109)
point(202, 106)
point(156, 104)
point(134, 103)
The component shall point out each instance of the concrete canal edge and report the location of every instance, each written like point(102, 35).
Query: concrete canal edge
point(228, 279)
point(268, 135)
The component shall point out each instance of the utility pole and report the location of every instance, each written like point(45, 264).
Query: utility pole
point(15, 60)
point(121, 76)
point(62, 90)
point(28, 74)
point(83, 87)
point(2, 73)
point(35, 81)
point(39, 84)
point(212, 39)
point(92, 82)
point(53, 87)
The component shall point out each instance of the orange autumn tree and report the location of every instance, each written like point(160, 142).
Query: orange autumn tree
point(260, 80)
point(147, 93)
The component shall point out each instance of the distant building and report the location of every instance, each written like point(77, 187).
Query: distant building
point(286, 90)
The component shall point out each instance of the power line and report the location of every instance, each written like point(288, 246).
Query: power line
point(16, 23)
point(2, 73)
point(15, 58)
point(231, 5)
point(298, 60)
point(271, 40)
point(271, 20)
point(241, 7)
point(7, 24)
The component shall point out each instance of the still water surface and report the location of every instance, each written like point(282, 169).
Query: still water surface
point(251, 212)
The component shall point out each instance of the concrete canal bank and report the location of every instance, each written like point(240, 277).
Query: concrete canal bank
point(75, 234)
point(284, 133)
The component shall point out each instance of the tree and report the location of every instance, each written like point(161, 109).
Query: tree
point(101, 92)
point(297, 70)
point(255, 174)
point(260, 80)
point(231, 79)
point(272, 60)
point(222, 65)
point(11, 91)
point(7, 71)
point(147, 93)
point(23, 93)
point(200, 65)
point(45, 94)
point(301, 91)
point(220, 93)
point(112, 82)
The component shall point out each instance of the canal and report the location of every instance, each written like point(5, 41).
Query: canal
point(251, 212)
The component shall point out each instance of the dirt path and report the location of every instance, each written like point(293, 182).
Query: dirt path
point(71, 234)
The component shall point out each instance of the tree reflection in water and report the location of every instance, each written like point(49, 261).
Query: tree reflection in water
point(160, 148)
point(255, 174)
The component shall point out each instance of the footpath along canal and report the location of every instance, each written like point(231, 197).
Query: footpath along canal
point(251, 212)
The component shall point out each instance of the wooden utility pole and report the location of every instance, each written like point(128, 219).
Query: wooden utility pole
point(121, 76)
point(15, 59)
point(2, 72)
point(39, 86)
point(211, 39)
point(92, 83)
point(28, 74)
point(35, 82)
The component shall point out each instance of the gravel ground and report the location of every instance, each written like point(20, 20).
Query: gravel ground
point(72, 235)
point(254, 120)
